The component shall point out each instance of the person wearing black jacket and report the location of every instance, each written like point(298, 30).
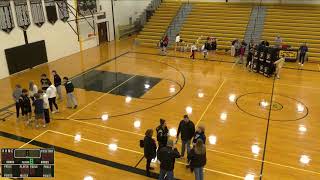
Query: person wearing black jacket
point(250, 53)
point(167, 157)
point(25, 104)
point(162, 134)
point(45, 82)
point(199, 135)
point(187, 130)
point(150, 149)
point(57, 83)
point(198, 159)
point(71, 99)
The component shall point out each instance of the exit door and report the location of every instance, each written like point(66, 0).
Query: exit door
point(103, 32)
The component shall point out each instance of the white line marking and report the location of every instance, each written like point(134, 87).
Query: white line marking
point(33, 139)
point(215, 95)
point(100, 97)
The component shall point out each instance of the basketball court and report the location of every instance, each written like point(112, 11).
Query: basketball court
point(254, 125)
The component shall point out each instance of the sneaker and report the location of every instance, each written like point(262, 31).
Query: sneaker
point(44, 126)
point(53, 112)
point(37, 126)
point(278, 77)
point(299, 63)
point(75, 107)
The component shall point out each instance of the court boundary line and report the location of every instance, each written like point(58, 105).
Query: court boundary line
point(44, 132)
point(100, 97)
point(27, 140)
point(212, 99)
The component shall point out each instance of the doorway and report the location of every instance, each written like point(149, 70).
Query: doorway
point(103, 32)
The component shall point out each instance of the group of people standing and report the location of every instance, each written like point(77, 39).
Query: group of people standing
point(167, 153)
point(42, 99)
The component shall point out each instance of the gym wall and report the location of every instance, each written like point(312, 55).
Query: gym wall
point(124, 9)
point(59, 38)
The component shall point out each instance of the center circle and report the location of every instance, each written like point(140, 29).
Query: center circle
point(283, 108)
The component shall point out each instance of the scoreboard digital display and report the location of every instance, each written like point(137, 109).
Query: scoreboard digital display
point(19, 163)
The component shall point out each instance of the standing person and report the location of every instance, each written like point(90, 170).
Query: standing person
point(303, 51)
point(177, 41)
point(45, 82)
point(162, 134)
point(250, 54)
point(193, 50)
point(71, 99)
point(52, 95)
point(187, 129)
point(38, 110)
point(25, 105)
point(242, 50)
point(279, 64)
point(161, 47)
point(33, 89)
point(16, 96)
point(205, 48)
point(214, 45)
point(165, 44)
point(150, 149)
point(199, 134)
point(198, 159)
point(57, 83)
point(46, 113)
point(233, 47)
point(167, 157)
point(278, 41)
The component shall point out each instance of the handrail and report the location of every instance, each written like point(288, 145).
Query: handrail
point(173, 19)
point(252, 9)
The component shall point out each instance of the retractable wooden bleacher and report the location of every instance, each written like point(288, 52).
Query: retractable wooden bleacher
point(158, 24)
point(295, 24)
point(225, 21)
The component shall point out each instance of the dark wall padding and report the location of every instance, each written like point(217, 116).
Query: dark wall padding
point(26, 56)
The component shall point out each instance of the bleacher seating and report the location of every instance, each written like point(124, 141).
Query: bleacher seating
point(154, 30)
point(295, 24)
point(223, 21)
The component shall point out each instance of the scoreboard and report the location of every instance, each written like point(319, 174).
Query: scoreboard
point(19, 163)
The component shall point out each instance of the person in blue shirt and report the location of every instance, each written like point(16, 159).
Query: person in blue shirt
point(38, 110)
point(303, 51)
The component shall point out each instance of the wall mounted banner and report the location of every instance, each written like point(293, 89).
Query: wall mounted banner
point(6, 19)
point(51, 11)
point(63, 10)
point(22, 13)
point(37, 12)
point(87, 7)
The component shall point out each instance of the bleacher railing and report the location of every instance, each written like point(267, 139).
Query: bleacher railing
point(174, 24)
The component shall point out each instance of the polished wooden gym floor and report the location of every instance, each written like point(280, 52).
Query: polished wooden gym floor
point(246, 136)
